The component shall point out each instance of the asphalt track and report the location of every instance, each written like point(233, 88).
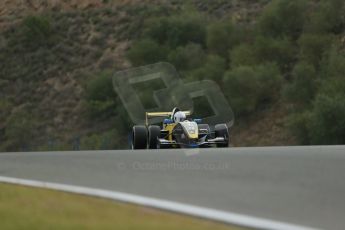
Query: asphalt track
point(298, 185)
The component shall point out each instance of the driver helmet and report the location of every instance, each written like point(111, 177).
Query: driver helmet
point(179, 116)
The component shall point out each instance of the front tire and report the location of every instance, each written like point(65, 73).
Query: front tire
point(221, 130)
point(154, 133)
point(139, 137)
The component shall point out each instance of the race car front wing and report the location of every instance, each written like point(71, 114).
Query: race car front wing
point(202, 142)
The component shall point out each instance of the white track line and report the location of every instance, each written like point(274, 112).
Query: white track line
point(211, 214)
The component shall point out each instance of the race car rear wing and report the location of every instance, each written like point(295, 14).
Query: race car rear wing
point(162, 114)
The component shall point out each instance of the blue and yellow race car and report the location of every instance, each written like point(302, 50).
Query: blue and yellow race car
point(178, 131)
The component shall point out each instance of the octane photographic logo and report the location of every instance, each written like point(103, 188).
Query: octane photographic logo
point(131, 85)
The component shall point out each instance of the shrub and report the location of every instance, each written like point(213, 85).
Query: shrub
point(247, 87)
point(313, 47)
point(281, 51)
point(332, 72)
point(107, 140)
point(302, 89)
point(5, 108)
point(177, 30)
point(37, 30)
point(100, 96)
point(146, 51)
point(213, 69)
point(328, 17)
point(20, 129)
point(333, 64)
point(283, 18)
point(270, 80)
point(188, 57)
point(123, 122)
point(221, 37)
point(237, 81)
point(324, 122)
point(243, 54)
point(297, 123)
point(327, 122)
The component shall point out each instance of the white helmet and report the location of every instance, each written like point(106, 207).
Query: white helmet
point(179, 116)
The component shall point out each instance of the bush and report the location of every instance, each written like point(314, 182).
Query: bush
point(213, 69)
point(328, 17)
point(145, 91)
point(5, 107)
point(271, 81)
point(100, 96)
point(177, 30)
point(297, 124)
point(243, 54)
point(327, 122)
point(37, 30)
point(146, 51)
point(281, 51)
point(237, 81)
point(265, 49)
point(333, 64)
point(302, 89)
point(324, 122)
point(249, 86)
point(221, 37)
point(313, 47)
point(283, 18)
point(188, 57)
point(332, 72)
point(105, 141)
point(20, 129)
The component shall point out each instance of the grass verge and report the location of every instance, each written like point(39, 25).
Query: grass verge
point(32, 208)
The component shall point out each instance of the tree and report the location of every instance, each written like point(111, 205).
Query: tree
point(187, 57)
point(327, 18)
point(222, 36)
point(298, 125)
point(301, 91)
point(249, 86)
point(177, 30)
point(313, 47)
point(20, 129)
point(213, 69)
point(281, 51)
point(100, 96)
point(147, 51)
point(283, 18)
point(243, 54)
point(327, 122)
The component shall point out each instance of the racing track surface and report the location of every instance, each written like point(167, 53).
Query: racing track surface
point(298, 185)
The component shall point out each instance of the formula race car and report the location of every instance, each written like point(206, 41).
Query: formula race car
point(178, 132)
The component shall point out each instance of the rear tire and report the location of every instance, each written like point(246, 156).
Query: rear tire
point(221, 130)
point(154, 133)
point(139, 137)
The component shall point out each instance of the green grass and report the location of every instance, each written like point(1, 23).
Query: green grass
point(33, 208)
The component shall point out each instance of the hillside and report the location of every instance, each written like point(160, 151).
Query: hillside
point(52, 51)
